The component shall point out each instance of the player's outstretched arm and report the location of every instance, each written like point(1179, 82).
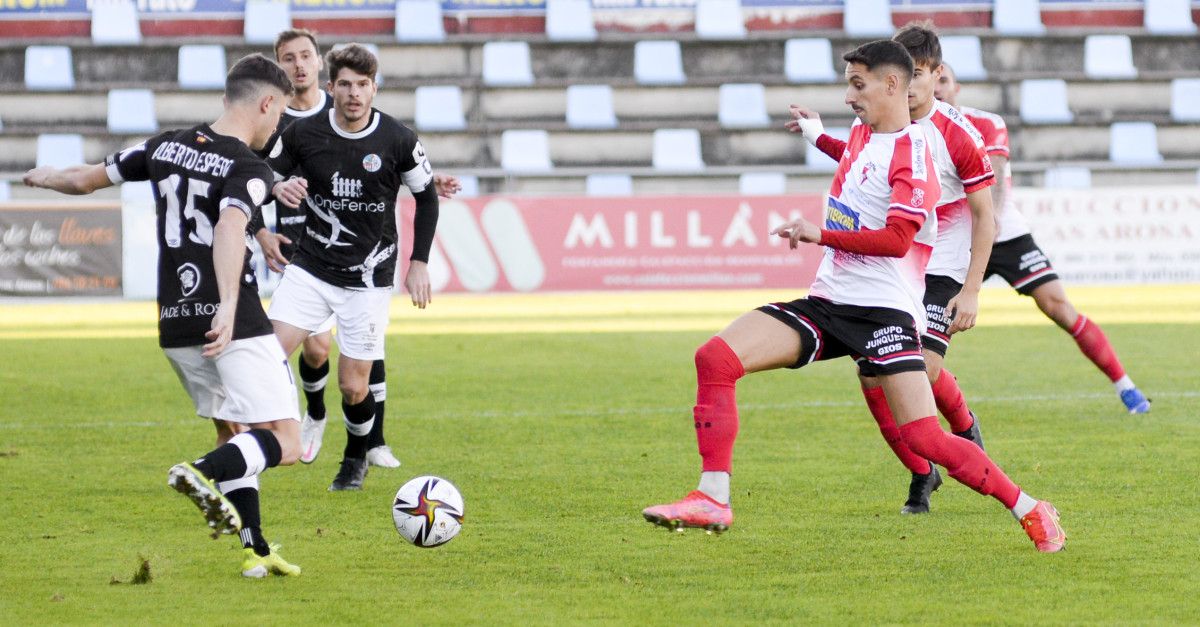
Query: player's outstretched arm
point(447, 185)
point(229, 250)
point(965, 305)
point(808, 123)
point(76, 180)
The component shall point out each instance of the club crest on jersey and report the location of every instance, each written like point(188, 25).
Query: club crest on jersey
point(344, 187)
point(840, 217)
point(372, 163)
point(189, 278)
point(257, 188)
point(918, 197)
point(866, 171)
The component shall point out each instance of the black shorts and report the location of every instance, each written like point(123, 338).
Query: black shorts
point(882, 340)
point(1020, 262)
point(938, 292)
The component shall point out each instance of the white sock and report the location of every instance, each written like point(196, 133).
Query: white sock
point(715, 485)
point(1025, 504)
point(1124, 383)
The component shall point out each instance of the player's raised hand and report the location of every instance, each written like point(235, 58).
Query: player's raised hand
point(798, 230)
point(447, 185)
point(806, 122)
point(221, 332)
point(417, 283)
point(38, 177)
point(270, 244)
point(965, 306)
point(291, 191)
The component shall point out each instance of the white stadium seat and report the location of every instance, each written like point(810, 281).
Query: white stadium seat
point(115, 22)
point(965, 55)
point(1134, 143)
point(202, 66)
point(817, 160)
point(762, 183)
point(5, 191)
point(677, 150)
point(131, 111)
point(506, 63)
point(439, 108)
point(570, 20)
point(720, 19)
point(525, 151)
point(59, 150)
point(1044, 101)
point(419, 21)
point(657, 62)
point(590, 106)
point(743, 105)
point(868, 18)
point(263, 19)
point(1185, 100)
point(1018, 17)
point(809, 61)
point(470, 186)
point(1169, 17)
point(1108, 56)
point(609, 185)
point(1068, 177)
point(49, 68)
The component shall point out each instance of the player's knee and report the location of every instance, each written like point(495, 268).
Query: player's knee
point(353, 391)
point(717, 363)
point(315, 354)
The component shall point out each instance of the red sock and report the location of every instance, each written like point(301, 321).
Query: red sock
point(717, 371)
point(966, 462)
point(877, 403)
point(1094, 344)
point(951, 403)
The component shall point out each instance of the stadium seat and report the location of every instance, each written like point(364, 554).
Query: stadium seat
point(439, 108)
point(720, 19)
point(1185, 100)
point(263, 19)
point(590, 106)
point(762, 184)
point(49, 68)
point(470, 186)
point(658, 63)
point(677, 150)
point(1133, 143)
point(1018, 17)
point(817, 160)
point(743, 105)
point(115, 23)
point(1068, 177)
point(809, 61)
point(570, 20)
point(419, 21)
point(1044, 101)
point(1, 125)
point(868, 18)
point(202, 66)
point(1169, 17)
point(59, 150)
point(5, 191)
point(506, 63)
point(965, 56)
point(1108, 56)
point(525, 151)
point(609, 185)
point(131, 111)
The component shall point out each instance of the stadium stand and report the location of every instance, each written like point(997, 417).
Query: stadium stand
point(49, 68)
point(1018, 17)
point(658, 63)
point(525, 151)
point(609, 185)
point(115, 23)
point(570, 20)
point(1044, 101)
point(202, 66)
point(1169, 17)
point(1108, 56)
point(1185, 100)
point(720, 19)
point(964, 53)
point(1068, 177)
point(868, 18)
point(131, 112)
point(419, 21)
point(677, 149)
point(60, 150)
point(762, 183)
point(5, 191)
point(590, 106)
point(439, 108)
point(809, 61)
point(743, 105)
point(1134, 143)
point(264, 19)
point(506, 63)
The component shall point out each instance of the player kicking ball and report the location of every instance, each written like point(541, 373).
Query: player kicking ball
point(865, 302)
point(212, 327)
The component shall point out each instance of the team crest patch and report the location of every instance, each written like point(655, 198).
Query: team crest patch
point(257, 189)
point(277, 149)
point(189, 278)
point(372, 163)
point(918, 197)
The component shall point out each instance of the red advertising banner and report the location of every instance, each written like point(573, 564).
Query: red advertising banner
point(60, 250)
point(505, 244)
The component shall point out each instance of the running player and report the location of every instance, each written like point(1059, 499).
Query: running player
point(866, 302)
point(207, 183)
point(351, 163)
point(1017, 258)
point(954, 276)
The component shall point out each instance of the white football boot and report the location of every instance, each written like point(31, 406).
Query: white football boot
point(382, 456)
point(311, 434)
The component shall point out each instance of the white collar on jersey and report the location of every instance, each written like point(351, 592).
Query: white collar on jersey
point(298, 113)
point(360, 134)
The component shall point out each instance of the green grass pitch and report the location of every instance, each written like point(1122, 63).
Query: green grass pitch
point(557, 442)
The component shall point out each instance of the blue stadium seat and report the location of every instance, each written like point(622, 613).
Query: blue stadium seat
point(965, 55)
point(809, 61)
point(868, 18)
point(677, 150)
point(570, 20)
point(657, 62)
point(419, 21)
point(720, 19)
point(743, 105)
point(115, 23)
point(1134, 143)
point(525, 151)
point(49, 68)
point(506, 63)
point(439, 108)
point(1018, 17)
point(59, 150)
point(263, 19)
point(609, 185)
point(5, 191)
point(1044, 101)
point(590, 106)
point(762, 184)
point(1108, 56)
point(202, 66)
point(1185, 100)
point(1169, 17)
point(131, 111)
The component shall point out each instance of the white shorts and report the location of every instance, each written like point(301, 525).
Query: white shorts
point(326, 326)
point(249, 382)
point(305, 302)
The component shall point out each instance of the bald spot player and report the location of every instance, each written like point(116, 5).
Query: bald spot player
point(865, 302)
point(1017, 258)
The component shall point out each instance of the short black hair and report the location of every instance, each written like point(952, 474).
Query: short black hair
point(921, 42)
point(882, 52)
point(356, 57)
point(253, 71)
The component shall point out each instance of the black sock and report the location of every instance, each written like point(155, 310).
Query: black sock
point(357, 417)
point(378, 389)
point(227, 462)
point(246, 502)
point(313, 382)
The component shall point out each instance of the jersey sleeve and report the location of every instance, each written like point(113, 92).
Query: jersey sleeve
point(970, 158)
point(914, 182)
point(246, 187)
point(133, 163)
point(414, 165)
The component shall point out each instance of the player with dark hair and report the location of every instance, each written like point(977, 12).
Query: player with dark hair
point(351, 163)
point(866, 302)
point(207, 183)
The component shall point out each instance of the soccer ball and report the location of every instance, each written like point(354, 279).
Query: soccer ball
point(428, 511)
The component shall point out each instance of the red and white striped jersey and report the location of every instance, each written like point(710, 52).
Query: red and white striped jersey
point(963, 167)
point(880, 175)
point(1010, 223)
